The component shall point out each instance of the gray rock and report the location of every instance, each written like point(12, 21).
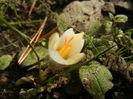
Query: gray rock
point(81, 14)
point(109, 7)
point(124, 4)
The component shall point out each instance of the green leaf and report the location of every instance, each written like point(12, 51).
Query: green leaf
point(2, 9)
point(28, 94)
point(31, 58)
point(24, 80)
point(96, 79)
point(104, 42)
point(107, 26)
point(19, 33)
point(111, 16)
point(94, 29)
point(3, 1)
point(129, 32)
point(5, 61)
point(63, 26)
point(121, 18)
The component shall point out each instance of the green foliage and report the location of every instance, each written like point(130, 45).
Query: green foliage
point(111, 16)
point(123, 40)
point(30, 1)
point(2, 1)
point(129, 32)
point(12, 4)
point(19, 33)
point(24, 80)
point(14, 44)
point(2, 9)
point(31, 58)
point(63, 26)
point(121, 18)
point(94, 29)
point(28, 94)
point(107, 27)
point(107, 33)
point(5, 61)
point(103, 43)
point(96, 79)
point(43, 42)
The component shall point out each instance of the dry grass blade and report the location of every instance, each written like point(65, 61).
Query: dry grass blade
point(27, 48)
point(22, 58)
point(37, 35)
point(33, 5)
point(41, 28)
point(23, 2)
point(52, 31)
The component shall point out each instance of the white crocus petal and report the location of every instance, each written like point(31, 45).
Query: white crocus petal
point(72, 60)
point(52, 40)
point(67, 34)
point(75, 59)
point(56, 56)
point(77, 44)
point(74, 55)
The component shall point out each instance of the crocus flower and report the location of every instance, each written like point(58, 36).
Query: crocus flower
point(65, 50)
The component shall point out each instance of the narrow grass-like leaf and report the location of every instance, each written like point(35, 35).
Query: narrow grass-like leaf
point(9, 45)
point(19, 33)
point(22, 22)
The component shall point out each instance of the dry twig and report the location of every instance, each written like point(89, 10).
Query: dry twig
point(36, 37)
point(33, 5)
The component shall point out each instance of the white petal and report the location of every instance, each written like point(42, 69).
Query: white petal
point(53, 40)
point(75, 59)
point(67, 34)
point(56, 56)
point(72, 60)
point(77, 44)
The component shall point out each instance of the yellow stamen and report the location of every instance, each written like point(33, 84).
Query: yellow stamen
point(64, 50)
point(61, 50)
point(70, 40)
point(65, 53)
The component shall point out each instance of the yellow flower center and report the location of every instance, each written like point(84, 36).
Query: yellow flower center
point(65, 49)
